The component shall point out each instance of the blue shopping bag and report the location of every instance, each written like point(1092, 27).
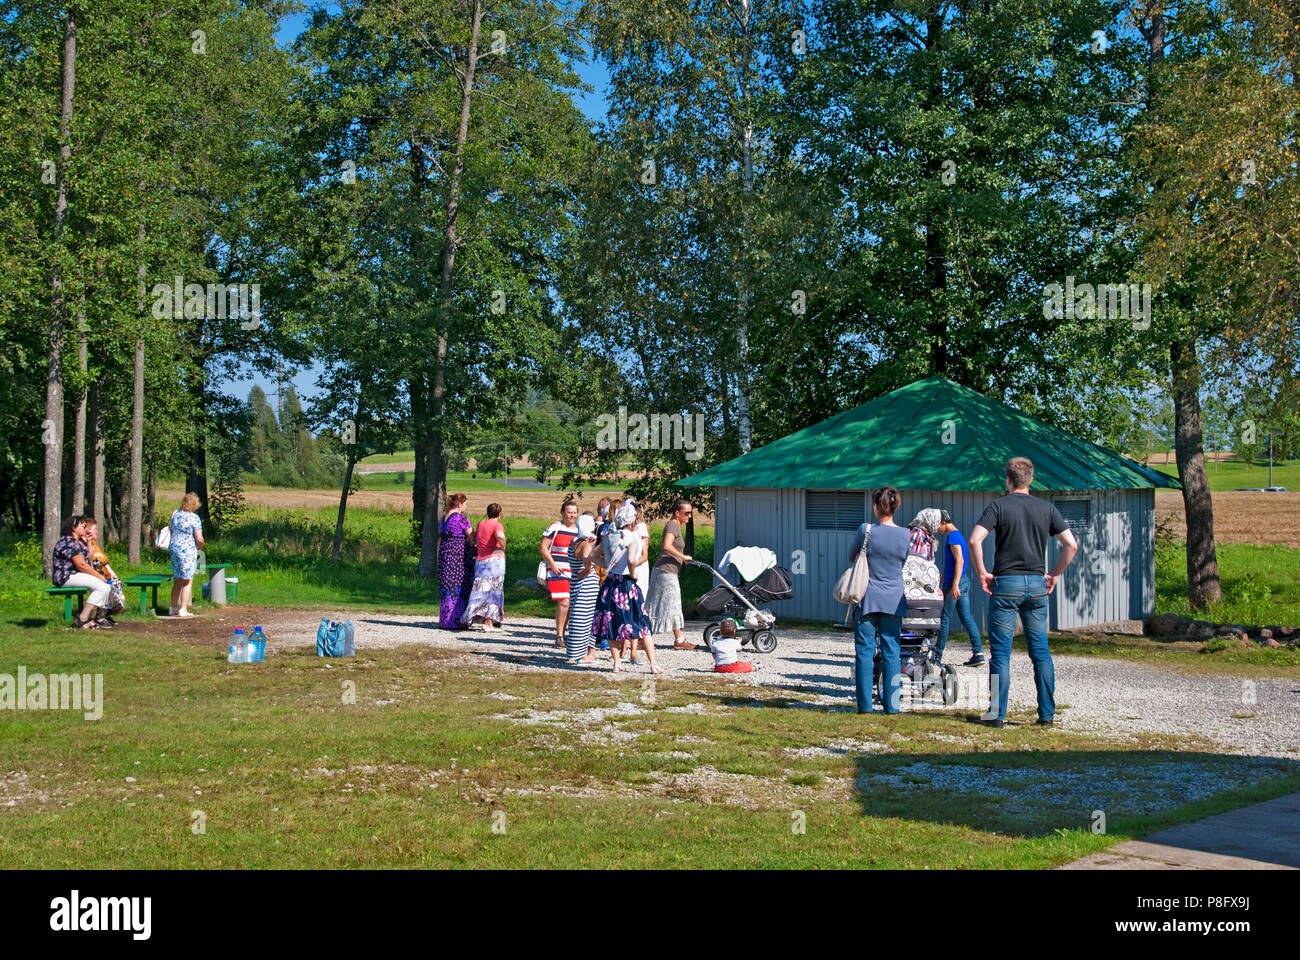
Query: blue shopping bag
point(335, 639)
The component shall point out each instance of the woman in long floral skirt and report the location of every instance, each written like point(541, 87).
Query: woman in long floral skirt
point(486, 608)
point(620, 609)
point(455, 564)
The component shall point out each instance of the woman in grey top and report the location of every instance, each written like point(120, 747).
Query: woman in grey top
point(879, 617)
point(664, 601)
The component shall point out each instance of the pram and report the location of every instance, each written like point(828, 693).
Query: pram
point(741, 603)
point(916, 658)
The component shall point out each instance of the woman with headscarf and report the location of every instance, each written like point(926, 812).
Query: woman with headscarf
point(923, 532)
point(620, 612)
point(583, 588)
point(455, 564)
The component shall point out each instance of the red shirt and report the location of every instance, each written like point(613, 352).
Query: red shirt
point(486, 538)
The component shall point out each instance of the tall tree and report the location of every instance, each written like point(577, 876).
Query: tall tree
point(53, 427)
point(1188, 321)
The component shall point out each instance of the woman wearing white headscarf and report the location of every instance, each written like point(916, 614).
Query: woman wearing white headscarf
point(924, 532)
point(620, 612)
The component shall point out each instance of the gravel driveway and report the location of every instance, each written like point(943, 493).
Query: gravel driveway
point(1109, 696)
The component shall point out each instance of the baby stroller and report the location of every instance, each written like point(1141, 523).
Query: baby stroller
point(741, 604)
point(916, 658)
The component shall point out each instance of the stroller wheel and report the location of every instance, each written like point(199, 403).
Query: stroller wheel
point(765, 641)
point(710, 634)
point(949, 685)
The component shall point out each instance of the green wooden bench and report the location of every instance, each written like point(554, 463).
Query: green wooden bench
point(147, 582)
point(67, 593)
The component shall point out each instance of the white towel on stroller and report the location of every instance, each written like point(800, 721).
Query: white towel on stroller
point(749, 561)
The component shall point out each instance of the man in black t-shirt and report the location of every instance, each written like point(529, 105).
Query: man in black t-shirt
point(1022, 523)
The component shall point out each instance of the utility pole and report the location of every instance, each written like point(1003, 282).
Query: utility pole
point(1270, 459)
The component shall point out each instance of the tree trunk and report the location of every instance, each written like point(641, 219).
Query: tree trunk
point(343, 508)
point(1203, 586)
point(97, 454)
point(135, 479)
point(436, 473)
point(419, 440)
point(124, 495)
point(149, 504)
point(52, 428)
point(196, 479)
point(79, 427)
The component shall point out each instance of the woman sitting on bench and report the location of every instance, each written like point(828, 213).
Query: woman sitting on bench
point(72, 568)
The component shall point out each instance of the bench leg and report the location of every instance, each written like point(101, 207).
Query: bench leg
point(154, 608)
point(144, 591)
point(67, 608)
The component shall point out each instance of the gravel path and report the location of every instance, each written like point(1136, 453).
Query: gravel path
point(1108, 696)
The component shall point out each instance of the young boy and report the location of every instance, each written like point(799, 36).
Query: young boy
point(726, 650)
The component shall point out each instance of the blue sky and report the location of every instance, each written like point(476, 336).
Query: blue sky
point(592, 104)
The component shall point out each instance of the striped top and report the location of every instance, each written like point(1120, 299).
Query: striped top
point(561, 539)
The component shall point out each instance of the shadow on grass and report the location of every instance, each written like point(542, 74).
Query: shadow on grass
point(1036, 793)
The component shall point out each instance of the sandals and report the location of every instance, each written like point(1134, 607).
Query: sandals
point(88, 625)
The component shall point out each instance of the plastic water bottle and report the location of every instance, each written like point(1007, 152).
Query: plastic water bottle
point(238, 649)
point(256, 651)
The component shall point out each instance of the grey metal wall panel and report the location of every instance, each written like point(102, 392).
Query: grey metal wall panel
point(1113, 577)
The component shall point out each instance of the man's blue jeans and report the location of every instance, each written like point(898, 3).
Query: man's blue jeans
point(964, 617)
point(868, 630)
point(1028, 597)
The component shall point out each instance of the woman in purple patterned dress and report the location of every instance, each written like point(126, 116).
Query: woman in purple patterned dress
point(455, 564)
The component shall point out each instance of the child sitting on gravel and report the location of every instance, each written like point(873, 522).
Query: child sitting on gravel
point(726, 650)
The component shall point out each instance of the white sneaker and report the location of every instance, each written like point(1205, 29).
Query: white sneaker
point(171, 611)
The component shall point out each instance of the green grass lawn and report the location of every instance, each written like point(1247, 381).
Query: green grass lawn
point(1261, 584)
point(200, 763)
point(1231, 474)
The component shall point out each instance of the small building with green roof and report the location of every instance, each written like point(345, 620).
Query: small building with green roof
point(946, 446)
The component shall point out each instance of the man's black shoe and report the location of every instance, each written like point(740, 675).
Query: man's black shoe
point(975, 661)
point(1044, 723)
point(994, 722)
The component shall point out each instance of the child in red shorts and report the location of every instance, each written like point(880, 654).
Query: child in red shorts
point(726, 650)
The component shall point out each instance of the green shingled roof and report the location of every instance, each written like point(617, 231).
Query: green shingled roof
point(899, 439)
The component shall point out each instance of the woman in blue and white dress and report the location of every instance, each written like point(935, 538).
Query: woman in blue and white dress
point(186, 532)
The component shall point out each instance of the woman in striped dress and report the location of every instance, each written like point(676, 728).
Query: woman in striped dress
point(582, 593)
point(555, 553)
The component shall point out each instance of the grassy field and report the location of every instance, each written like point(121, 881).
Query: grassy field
point(465, 482)
point(281, 559)
point(420, 756)
point(199, 763)
point(1231, 474)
